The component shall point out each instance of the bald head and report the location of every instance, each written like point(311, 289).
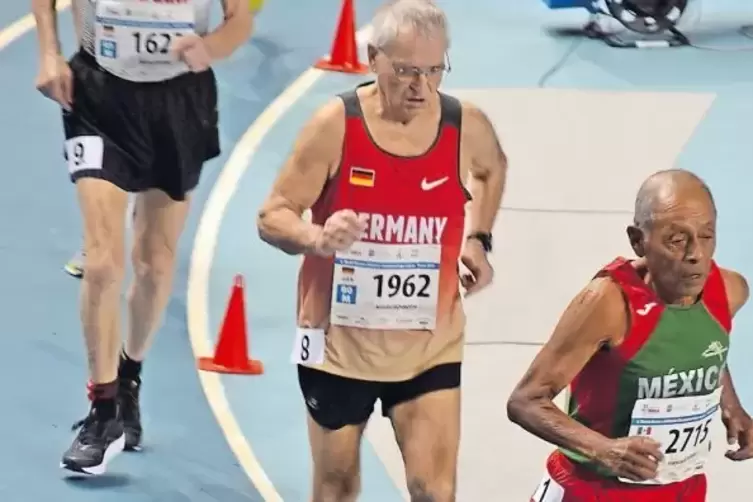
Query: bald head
point(666, 187)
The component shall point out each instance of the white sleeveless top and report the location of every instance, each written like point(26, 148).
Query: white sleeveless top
point(132, 38)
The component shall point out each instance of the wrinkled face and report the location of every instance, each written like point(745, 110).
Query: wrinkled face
point(679, 244)
point(410, 70)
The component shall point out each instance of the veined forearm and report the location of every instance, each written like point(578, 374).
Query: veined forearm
point(47, 29)
point(545, 420)
point(287, 231)
point(487, 198)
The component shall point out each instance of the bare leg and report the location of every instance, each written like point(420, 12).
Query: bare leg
point(100, 436)
point(337, 465)
point(103, 206)
point(428, 433)
point(158, 224)
point(75, 266)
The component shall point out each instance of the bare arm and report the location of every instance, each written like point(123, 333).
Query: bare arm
point(737, 295)
point(47, 26)
point(315, 155)
point(233, 32)
point(488, 168)
point(596, 316)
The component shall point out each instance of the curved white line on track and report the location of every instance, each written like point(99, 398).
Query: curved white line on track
point(201, 265)
point(20, 27)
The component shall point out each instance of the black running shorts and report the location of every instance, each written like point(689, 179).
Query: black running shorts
point(334, 401)
point(140, 136)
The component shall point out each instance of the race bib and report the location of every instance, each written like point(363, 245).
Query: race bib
point(386, 286)
point(548, 491)
point(683, 426)
point(134, 39)
point(308, 347)
point(84, 153)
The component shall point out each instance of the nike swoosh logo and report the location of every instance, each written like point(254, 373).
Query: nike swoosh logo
point(431, 185)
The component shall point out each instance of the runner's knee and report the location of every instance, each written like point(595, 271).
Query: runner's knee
point(104, 264)
point(153, 259)
point(431, 490)
point(338, 485)
point(102, 270)
point(337, 471)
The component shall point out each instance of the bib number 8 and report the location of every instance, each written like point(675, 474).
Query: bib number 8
point(309, 347)
point(153, 43)
point(409, 286)
point(305, 344)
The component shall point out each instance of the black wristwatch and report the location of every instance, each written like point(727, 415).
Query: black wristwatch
point(485, 238)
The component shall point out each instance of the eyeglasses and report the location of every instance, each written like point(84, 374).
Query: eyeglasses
point(409, 72)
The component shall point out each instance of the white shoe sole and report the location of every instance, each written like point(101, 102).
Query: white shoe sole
point(112, 451)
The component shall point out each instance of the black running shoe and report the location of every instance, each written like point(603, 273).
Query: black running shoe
point(97, 443)
point(130, 412)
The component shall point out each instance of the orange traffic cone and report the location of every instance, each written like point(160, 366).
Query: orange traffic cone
point(231, 353)
point(344, 54)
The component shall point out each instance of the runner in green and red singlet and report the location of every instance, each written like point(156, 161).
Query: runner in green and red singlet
point(644, 350)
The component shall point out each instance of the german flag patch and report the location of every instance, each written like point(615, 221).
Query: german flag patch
point(362, 177)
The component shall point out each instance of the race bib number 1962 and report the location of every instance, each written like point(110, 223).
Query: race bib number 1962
point(386, 286)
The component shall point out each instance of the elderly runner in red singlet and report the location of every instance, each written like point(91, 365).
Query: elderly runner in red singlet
point(644, 350)
point(380, 315)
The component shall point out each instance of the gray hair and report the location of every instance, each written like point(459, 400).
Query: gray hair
point(644, 209)
point(423, 17)
point(656, 187)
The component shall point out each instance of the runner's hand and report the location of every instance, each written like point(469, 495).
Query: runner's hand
point(634, 458)
point(55, 80)
point(480, 271)
point(739, 432)
point(192, 50)
point(340, 231)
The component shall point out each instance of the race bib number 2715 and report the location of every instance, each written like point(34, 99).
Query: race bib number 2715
point(683, 426)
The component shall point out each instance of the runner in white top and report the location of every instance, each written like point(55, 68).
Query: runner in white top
point(139, 106)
